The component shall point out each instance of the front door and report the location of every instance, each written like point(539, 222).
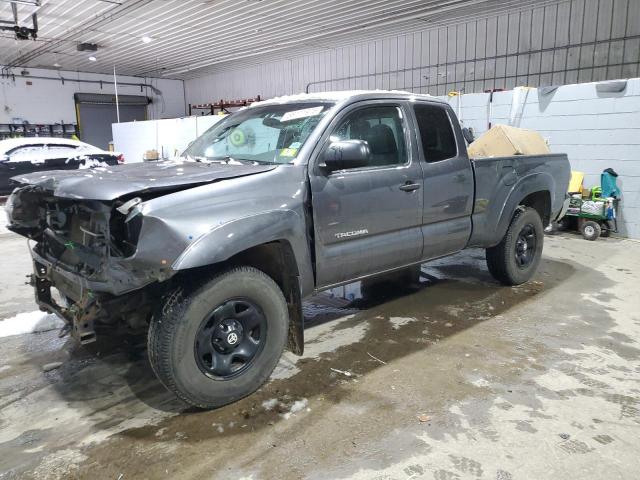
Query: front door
point(368, 219)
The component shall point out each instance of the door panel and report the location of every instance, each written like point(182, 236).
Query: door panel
point(448, 182)
point(365, 222)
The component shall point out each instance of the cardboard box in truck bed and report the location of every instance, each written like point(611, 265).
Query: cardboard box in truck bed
point(504, 141)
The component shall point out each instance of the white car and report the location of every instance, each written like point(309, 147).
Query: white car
point(26, 155)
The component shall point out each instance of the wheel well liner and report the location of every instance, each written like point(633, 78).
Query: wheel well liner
point(541, 202)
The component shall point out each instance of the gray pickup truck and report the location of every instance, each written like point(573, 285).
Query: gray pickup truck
point(215, 250)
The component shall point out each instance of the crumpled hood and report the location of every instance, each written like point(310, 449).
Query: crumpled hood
point(109, 183)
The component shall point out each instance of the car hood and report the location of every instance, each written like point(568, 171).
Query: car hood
point(109, 183)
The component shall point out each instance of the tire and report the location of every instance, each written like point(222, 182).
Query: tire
point(515, 259)
point(218, 342)
point(590, 230)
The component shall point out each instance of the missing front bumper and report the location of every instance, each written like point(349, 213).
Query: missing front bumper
point(85, 306)
point(80, 316)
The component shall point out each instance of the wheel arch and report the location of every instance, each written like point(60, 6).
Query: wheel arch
point(540, 201)
point(225, 241)
point(534, 191)
point(276, 259)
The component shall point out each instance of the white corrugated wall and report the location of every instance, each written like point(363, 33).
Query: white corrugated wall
point(571, 41)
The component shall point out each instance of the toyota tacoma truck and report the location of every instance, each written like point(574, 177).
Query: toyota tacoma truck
point(214, 251)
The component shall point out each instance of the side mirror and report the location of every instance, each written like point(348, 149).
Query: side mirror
point(346, 154)
point(468, 135)
point(4, 158)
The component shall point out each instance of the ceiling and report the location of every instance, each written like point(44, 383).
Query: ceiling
point(187, 38)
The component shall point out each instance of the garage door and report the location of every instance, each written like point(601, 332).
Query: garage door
point(96, 113)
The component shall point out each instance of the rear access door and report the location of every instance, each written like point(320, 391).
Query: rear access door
point(367, 219)
point(448, 180)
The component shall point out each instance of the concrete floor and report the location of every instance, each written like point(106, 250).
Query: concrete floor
point(457, 379)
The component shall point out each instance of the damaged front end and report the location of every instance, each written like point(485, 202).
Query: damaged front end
point(84, 254)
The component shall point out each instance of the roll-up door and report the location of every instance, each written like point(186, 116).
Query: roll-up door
point(96, 112)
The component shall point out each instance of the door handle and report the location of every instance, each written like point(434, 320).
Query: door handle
point(409, 186)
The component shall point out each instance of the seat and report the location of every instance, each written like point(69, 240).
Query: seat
point(382, 143)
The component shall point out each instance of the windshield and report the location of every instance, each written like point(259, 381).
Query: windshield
point(265, 134)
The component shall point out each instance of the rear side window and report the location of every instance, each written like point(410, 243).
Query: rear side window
point(438, 140)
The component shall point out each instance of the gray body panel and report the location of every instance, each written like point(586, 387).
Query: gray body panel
point(212, 212)
point(110, 183)
point(502, 183)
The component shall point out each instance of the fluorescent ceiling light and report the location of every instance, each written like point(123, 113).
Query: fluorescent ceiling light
point(146, 39)
point(93, 59)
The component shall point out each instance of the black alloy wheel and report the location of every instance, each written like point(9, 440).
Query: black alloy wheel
point(525, 246)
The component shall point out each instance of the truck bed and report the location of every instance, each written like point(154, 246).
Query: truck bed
point(500, 180)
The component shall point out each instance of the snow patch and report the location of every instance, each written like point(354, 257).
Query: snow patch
point(91, 163)
point(61, 464)
point(29, 322)
point(218, 426)
point(330, 336)
point(270, 404)
point(296, 407)
point(397, 322)
point(285, 409)
point(480, 382)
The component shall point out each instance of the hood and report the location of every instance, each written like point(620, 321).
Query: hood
point(109, 183)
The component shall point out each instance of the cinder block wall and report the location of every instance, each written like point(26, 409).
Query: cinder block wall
point(595, 129)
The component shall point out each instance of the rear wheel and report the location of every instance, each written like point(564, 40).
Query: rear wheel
point(590, 230)
point(515, 259)
point(219, 342)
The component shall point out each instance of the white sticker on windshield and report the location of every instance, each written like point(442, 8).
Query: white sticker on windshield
point(305, 112)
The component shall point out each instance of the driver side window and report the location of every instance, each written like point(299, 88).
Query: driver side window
point(382, 128)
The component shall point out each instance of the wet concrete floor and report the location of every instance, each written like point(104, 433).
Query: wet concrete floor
point(454, 378)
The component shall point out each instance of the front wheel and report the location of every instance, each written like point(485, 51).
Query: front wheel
point(515, 259)
point(219, 342)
